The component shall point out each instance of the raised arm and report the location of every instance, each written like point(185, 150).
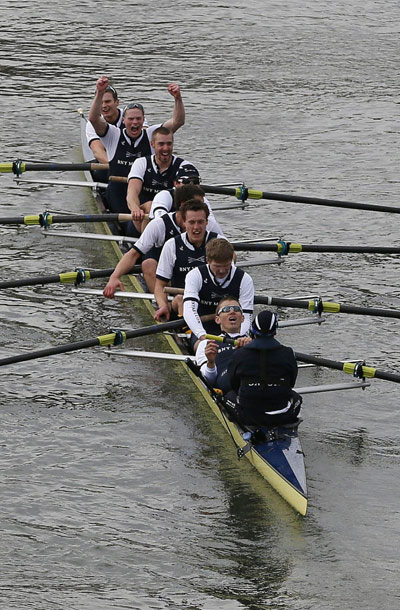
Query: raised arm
point(178, 118)
point(98, 122)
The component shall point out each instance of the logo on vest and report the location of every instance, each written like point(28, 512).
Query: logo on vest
point(201, 259)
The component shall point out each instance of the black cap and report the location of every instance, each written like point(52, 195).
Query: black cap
point(265, 323)
point(187, 172)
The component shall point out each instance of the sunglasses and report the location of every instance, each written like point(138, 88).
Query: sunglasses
point(112, 90)
point(189, 180)
point(228, 308)
point(134, 105)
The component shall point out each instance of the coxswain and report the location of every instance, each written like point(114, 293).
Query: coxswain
point(148, 247)
point(152, 174)
point(181, 254)
point(123, 147)
point(213, 357)
point(263, 374)
point(207, 284)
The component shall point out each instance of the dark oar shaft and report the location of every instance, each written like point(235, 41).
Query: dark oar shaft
point(254, 194)
point(69, 277)
point(349, 367)
point(318, 306)
point(103, 340)
point(18, 167)
point(293, 248)
point(48, 219)
point(112, 338)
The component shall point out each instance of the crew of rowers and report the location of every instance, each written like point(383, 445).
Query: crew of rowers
point(180, 244)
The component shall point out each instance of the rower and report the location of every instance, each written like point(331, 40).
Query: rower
point(164, 201)
point(150, 243)
point(263, 374)
point(123, 147)
point(207, 284)
point(213, 357)
point(152, 174)
point(112, 113)
point(181, 254)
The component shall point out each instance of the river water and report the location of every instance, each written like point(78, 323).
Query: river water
point(119, 489)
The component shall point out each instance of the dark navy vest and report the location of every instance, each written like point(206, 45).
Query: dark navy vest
point(211, 294)
point(126, 153)
point(187, 259)
point(171, 228)
point(224, 356)
point(154, 181)
point(120, 165)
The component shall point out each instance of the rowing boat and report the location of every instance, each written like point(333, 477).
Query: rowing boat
point(278, 457)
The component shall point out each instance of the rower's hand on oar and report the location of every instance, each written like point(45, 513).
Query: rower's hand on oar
point(162, 313)
point(112, 286)
point(242, 341)
point(138, 214)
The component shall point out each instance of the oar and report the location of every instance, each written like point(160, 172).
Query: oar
point(82, 183)
point(47, 219)
point(113, 338)
point(283, 248)
point(243, 193)
point(313, 305)
point(69, 277)
point(18, 167)
point(357, 369)
point(319, 306)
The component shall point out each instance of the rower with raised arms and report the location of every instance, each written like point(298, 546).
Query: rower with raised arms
point(181, 254)
point(262, 374)
point(123, 147)
point(206, 285)
point(150, 243)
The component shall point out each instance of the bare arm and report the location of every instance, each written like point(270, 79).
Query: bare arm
point(178, 118)
point(99, 151)
point(124, 266)
point(162, 300)
point(132, 198)
point(98, 122)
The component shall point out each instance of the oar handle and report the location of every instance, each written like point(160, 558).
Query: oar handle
point(118, 179)
point(172, 290)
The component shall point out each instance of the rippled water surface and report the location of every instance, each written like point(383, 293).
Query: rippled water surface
point(119, 488)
